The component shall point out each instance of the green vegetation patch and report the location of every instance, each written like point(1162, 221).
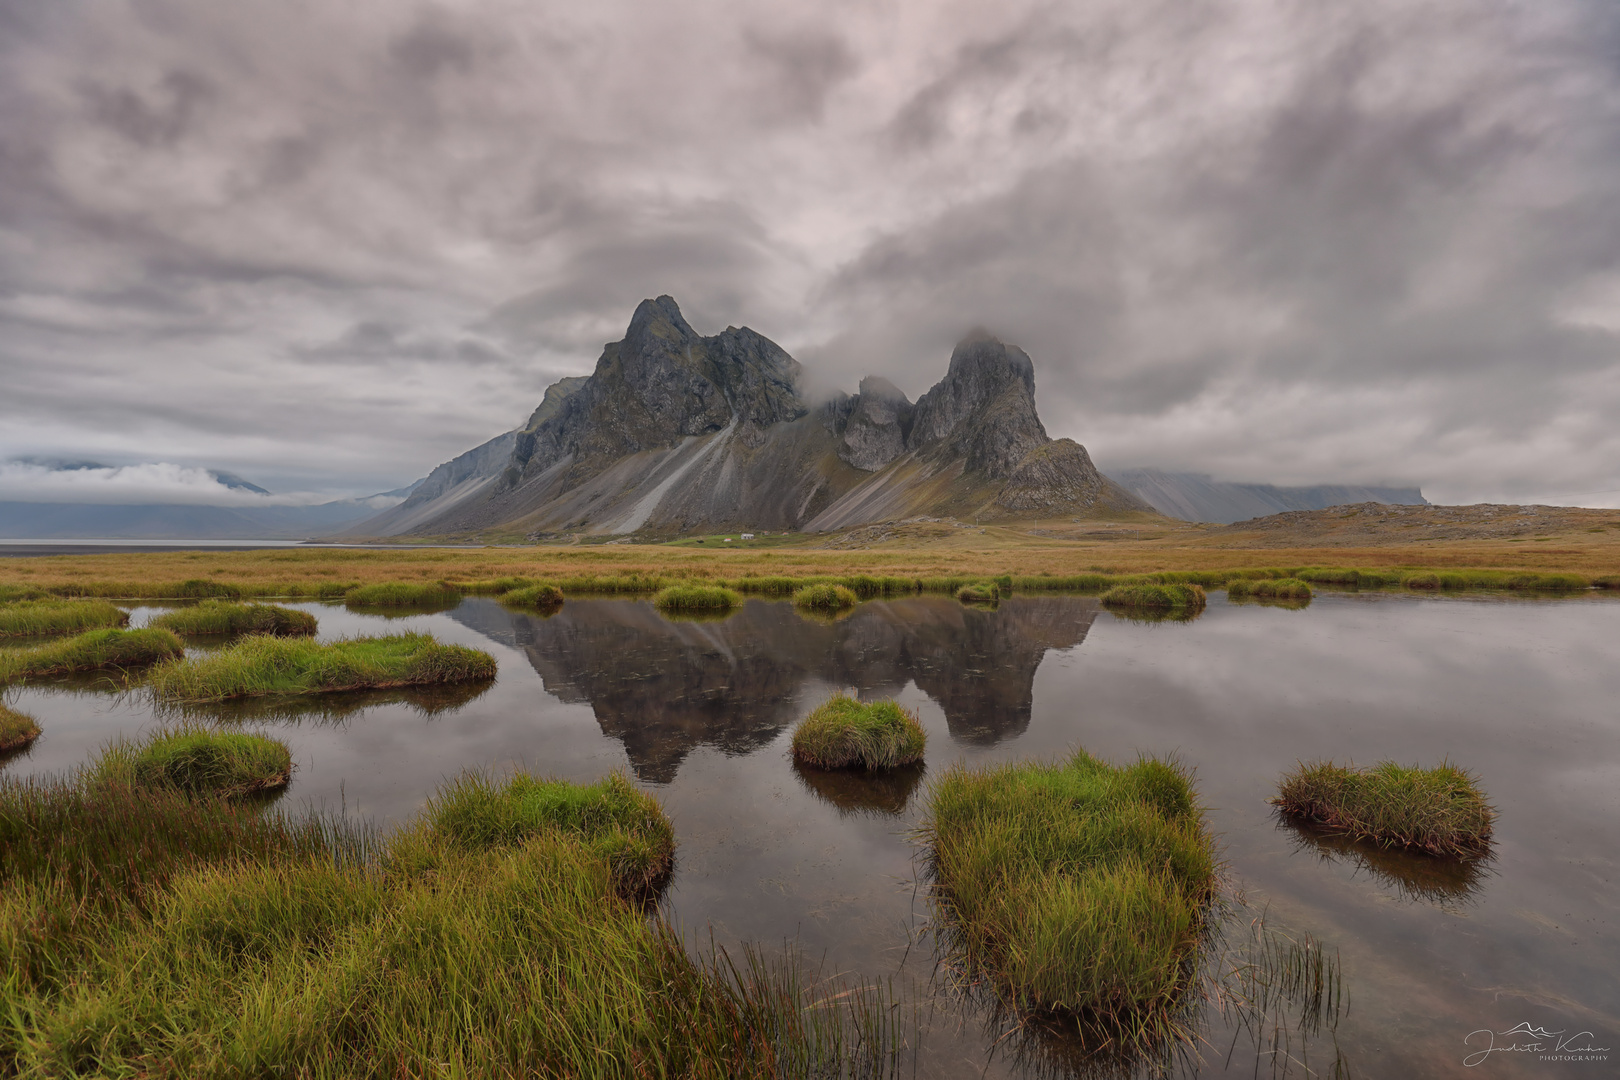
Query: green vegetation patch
point(402, 594)
point(1153, 596)
point(17, 729)
point(93, 651)
point(225, 618)
point(543, 595)
point(844, 733)
point(262, 665)
point(1440, 810)
point(611, 818)
point(1494, 579)
point(700, 598)
point(1269, 589)
point(825, 598)
point(979, 592)
point(257, 951)
point(200, 762)
point(33, 617)
point(1080, 888)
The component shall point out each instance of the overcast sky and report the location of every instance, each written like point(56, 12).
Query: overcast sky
point(328, 246)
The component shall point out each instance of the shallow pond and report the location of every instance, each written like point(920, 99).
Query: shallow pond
point(1437, 961)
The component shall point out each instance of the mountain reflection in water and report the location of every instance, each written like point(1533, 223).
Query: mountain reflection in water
point(664, 688)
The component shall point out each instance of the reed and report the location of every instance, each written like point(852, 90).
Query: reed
point(1269, 589)
point(1079, 889)
point(93, 651)
point(402, 594)
point(224, 618)
point(696, 598)
point(844, 733)
point(29, 618)
point(1441, 811)
point(199, 762)
point(1152, 596)
point(261, 665)
point(825, 598)
point(17, 729)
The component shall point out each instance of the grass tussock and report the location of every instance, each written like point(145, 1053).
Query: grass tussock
point(30, 618)
point(1441, 811)
point(17, 730)
point(696, 598)
point(509, 952)
point(825, 597)
point(1494, 579)
point(199, 762)
point(1269, 589)
point(402, 594)
point(543, 595)
point(844, 733)
point(96, 650)
point(1079, 889)
point(225, 618)
point(1153, 596)
point(614, 821)
point(262, 665)
point(979, 592)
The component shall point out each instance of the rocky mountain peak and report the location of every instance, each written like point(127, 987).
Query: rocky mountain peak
point(984, 408)
point(874, 431)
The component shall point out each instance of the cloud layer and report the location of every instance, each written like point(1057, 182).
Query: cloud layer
point(161, 483)
point(328, 246)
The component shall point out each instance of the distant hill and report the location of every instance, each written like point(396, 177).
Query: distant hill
point(1197, 497)
point(676, 432)
point(92, 521)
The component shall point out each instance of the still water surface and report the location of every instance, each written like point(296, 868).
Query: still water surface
point(1433, 956)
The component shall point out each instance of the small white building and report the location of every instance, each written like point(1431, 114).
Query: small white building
point(747, 536)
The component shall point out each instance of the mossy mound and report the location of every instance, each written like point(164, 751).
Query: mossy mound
point(825, 598)
point(843, 733)
point(1080, 889)
point(696, 599)
point(94, 651)
point(1441, 811)
point(1269, 589)
point(1152, 596)
point(17, 730)
point(228, 764)
point(979, 592)
point(611, 818)
point(543, 595)
point(225, 618)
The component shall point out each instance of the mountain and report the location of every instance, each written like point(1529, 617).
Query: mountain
point(158, 521)
point(676, 432)
point(1197, 497)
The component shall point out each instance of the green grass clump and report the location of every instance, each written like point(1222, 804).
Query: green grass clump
point(494, 586)
point(843, 733)
point(542, 595)
point(1606, 581)
point(401, 594)
point(825, 598)
point(33, 617)
point(10, 594)
point(614, 584)
point(262, 665)
point(979, 592)
point(1079, 888)
point(1154, 596)
point(513, 957)
point(17, 729)
point(199, 762)
point(93, 651)
point(1269, 589)
point(1440, 810)
point(680, 598)
point(225, 618)
point(611, 818)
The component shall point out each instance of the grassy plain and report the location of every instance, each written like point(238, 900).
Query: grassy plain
point(910, 551)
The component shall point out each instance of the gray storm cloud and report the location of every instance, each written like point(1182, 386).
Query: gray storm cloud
point(329, 246)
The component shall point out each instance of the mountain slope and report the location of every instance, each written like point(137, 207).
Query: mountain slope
point(675, 432)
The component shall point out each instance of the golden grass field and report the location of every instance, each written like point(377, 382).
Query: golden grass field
point(1584, 542)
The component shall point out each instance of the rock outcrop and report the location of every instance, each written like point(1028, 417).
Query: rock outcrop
point(675, 432)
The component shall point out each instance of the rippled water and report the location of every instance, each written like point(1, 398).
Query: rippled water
point(1524, 692)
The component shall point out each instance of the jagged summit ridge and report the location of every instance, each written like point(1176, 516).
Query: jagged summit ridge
point(674, 431)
